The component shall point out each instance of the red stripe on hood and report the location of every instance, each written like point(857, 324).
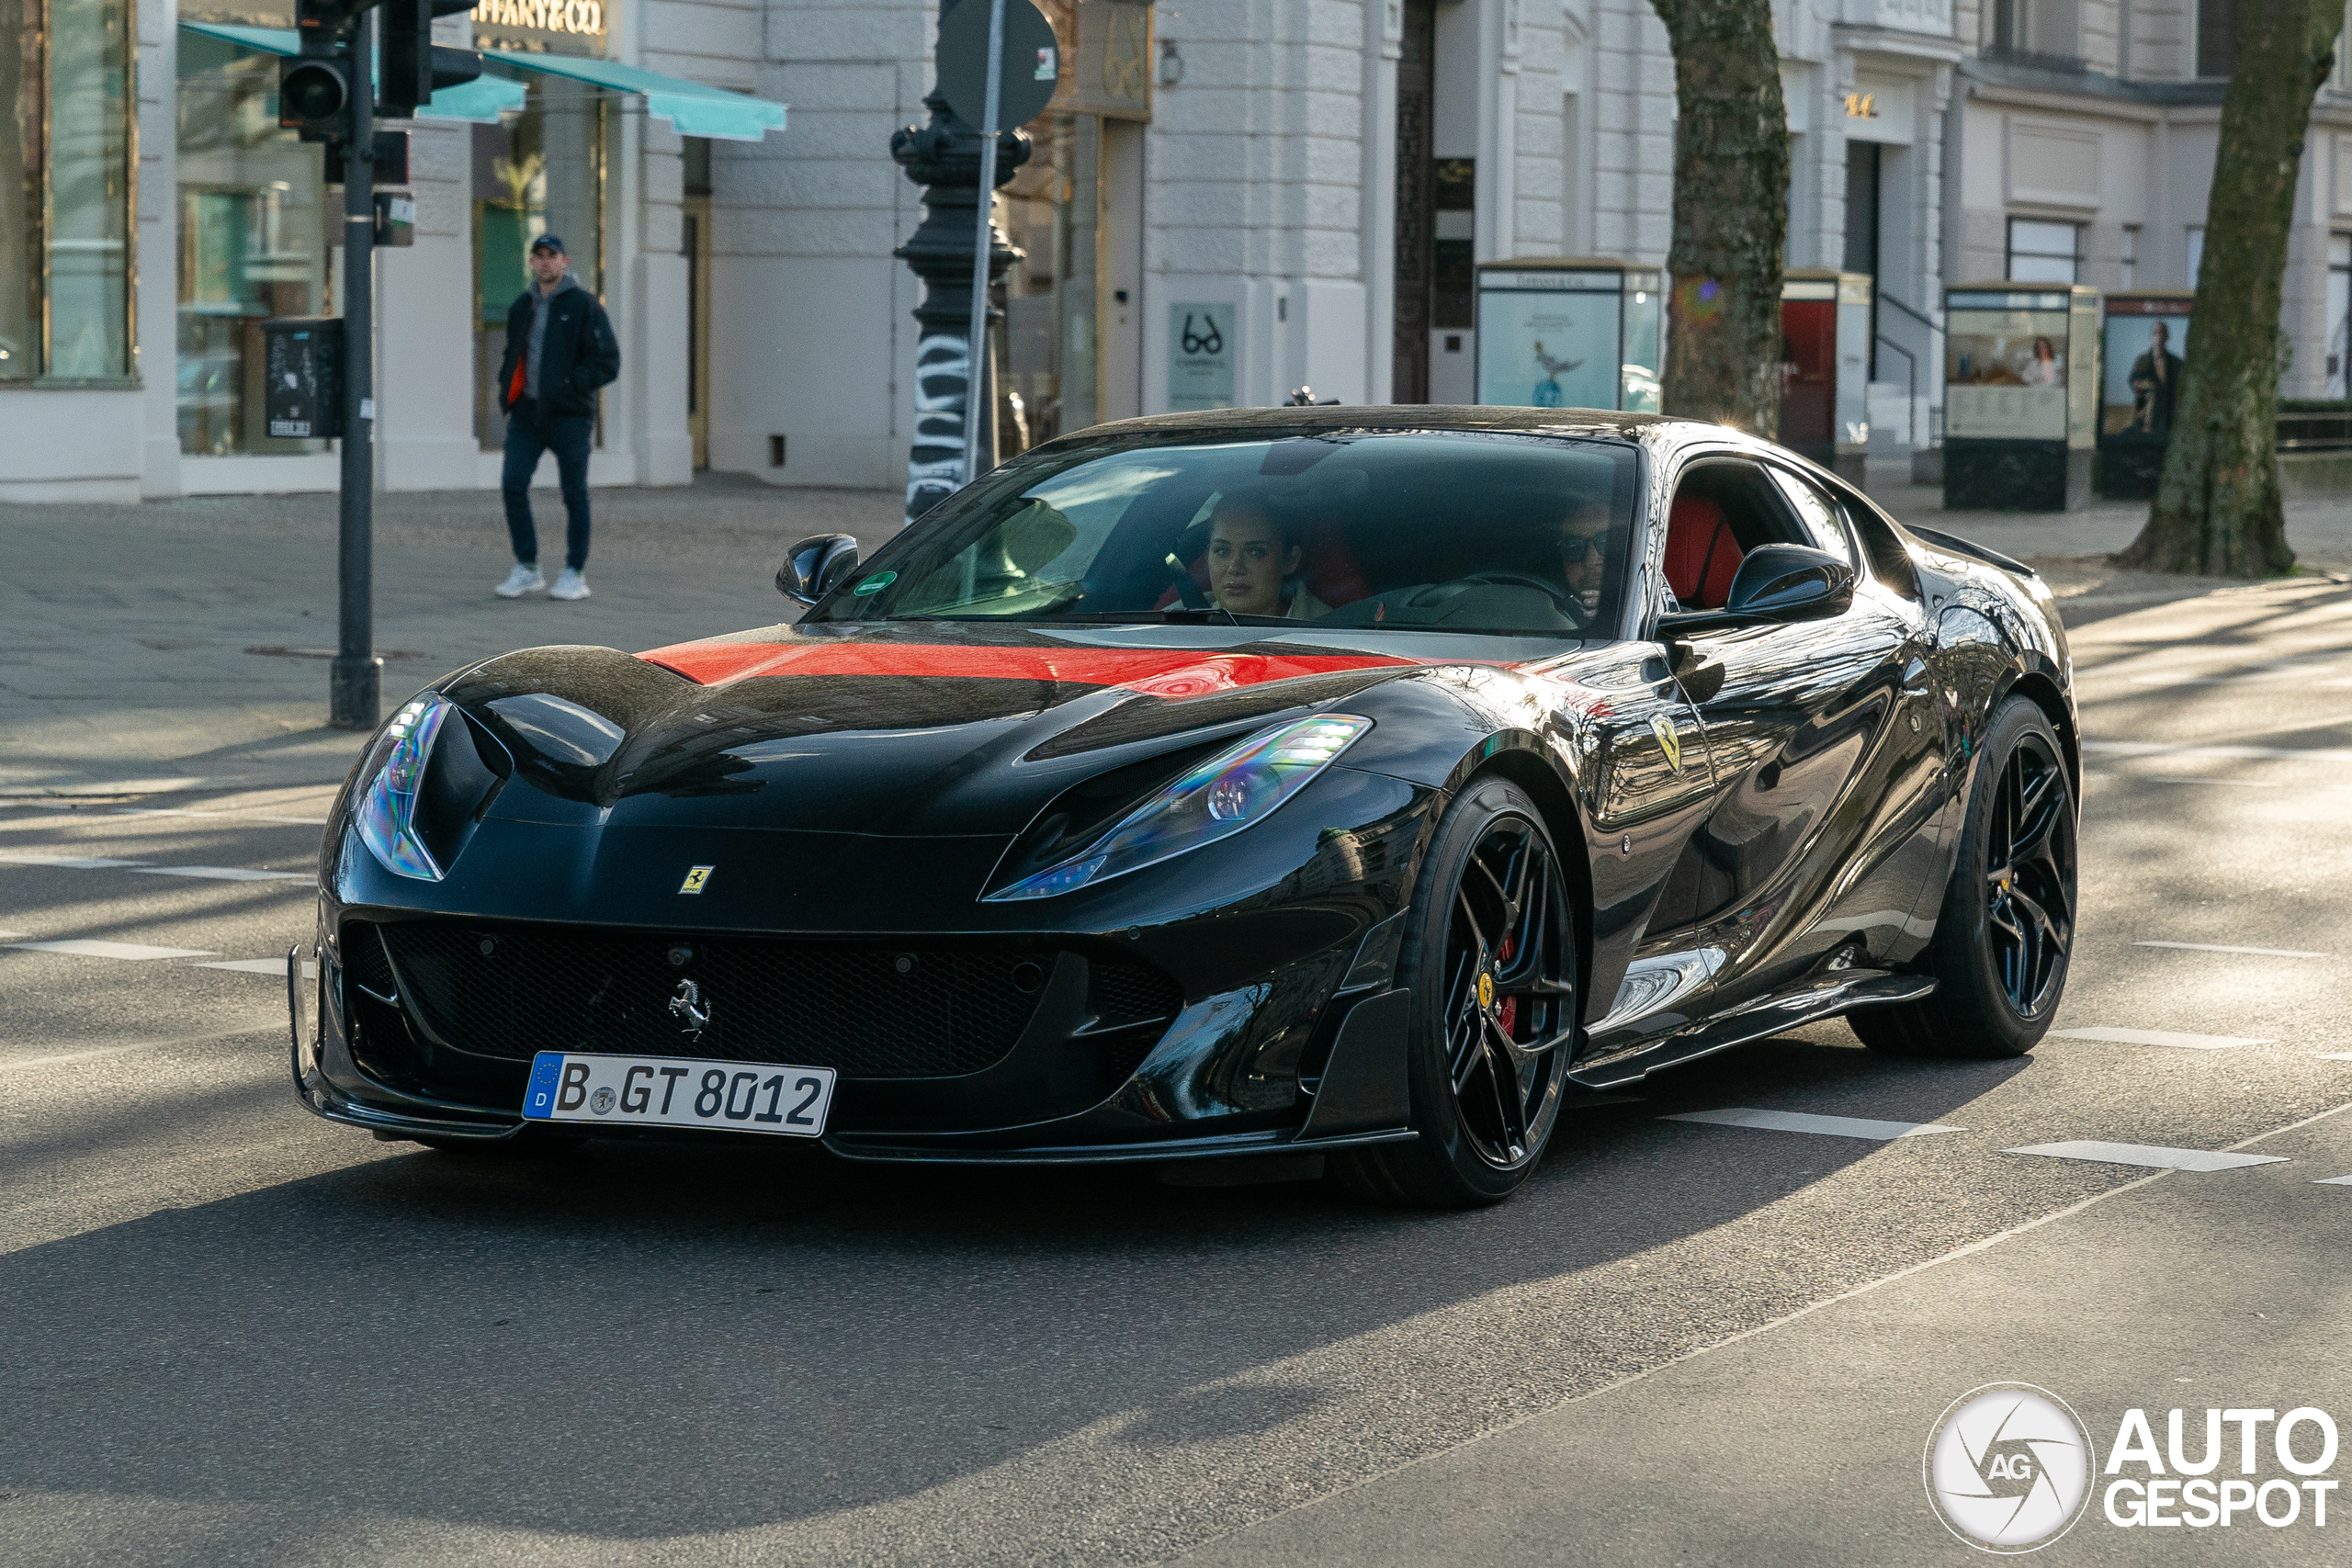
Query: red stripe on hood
point(1167, 672)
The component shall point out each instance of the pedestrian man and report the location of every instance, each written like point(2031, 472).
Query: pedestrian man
point(560, 349)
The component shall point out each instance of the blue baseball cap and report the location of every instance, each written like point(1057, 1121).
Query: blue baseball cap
point(549, 243)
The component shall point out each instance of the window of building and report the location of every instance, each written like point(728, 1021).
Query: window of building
point(2214, 30)
point(2339, 315)
point(2036, 32)
point(2043, 252)
point(2196, 250)
point(2128, 266)
point(65, 139)
point(537, 172)
point(252, 243)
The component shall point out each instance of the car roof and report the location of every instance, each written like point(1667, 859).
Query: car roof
point(1246, 423)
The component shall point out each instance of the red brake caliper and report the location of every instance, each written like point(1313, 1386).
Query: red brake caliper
point(1507, 1015)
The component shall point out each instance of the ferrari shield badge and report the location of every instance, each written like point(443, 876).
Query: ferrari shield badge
point(695, 877)
point(1669, 741)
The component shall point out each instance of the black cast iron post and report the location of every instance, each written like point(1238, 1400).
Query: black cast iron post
point(943, 157)
point(352, 681)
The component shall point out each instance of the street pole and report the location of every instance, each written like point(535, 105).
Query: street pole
point(977, 405)
point(354, 700)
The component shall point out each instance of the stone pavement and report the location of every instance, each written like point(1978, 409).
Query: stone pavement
point(130, 635)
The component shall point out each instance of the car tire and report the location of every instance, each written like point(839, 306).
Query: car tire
point(2005, 933)
point(1485, 1112)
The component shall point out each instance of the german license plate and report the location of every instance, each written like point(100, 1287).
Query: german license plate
point(673, 1091)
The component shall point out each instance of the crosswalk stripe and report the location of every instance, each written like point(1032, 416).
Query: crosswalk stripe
point(1803, 1122)
point(2216, 947)
point(223, 873)
point(2158, 1037)
point(88, 948)
point(2334, 1182)
point(2147, 1154)
point(72, 863)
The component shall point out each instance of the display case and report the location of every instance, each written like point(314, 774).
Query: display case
point(1580, 333)
point(2142, 335)
point(1826, 366)
point(2021, 395)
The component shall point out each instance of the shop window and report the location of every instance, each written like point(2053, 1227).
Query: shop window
point(540, 171)
point(252, 243)
point(2042, 252)
point(65, 169)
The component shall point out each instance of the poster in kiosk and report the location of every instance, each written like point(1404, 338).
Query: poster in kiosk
point(1571, 333)
point(2021, 392)
point(1826, 367)
point(2140, 344)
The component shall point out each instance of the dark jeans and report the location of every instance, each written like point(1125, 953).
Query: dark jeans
point(528, 435)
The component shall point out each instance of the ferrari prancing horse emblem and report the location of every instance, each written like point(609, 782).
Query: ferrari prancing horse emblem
point(690, 1009)
point(1671, 743)
point(1486, 990)
point(695, 877)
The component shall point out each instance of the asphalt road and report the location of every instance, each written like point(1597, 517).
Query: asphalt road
point(231, 1333)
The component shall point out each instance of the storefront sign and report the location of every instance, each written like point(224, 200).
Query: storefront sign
point(2006, 374)
point(1199, 357)
point(542, 27)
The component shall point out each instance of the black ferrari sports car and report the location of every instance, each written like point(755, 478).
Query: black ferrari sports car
point(1352, 784)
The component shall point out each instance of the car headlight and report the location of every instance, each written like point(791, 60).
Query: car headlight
point(387, 814)
point(1243, 784)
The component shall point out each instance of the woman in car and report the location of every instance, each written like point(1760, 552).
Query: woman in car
point(1253, 562)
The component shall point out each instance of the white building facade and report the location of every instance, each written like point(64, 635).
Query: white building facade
point(1229, 199)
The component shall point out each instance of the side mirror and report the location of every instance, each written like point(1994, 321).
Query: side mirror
point(816, 566)
point(1774, 583)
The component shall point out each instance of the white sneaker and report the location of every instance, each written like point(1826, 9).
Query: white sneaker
point(521, 580)
point(571, 585)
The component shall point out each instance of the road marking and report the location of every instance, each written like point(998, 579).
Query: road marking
point(2333, 1056)
point(2215, 947)
point(86, 948)
point(2147, 1154)
point(2175, 778)
point(222, 872)
point(2334, 1182)
point(1802, 1122)
point(72, 863)
point(2241, 754)
point(261, 966)
point(2159, 1037)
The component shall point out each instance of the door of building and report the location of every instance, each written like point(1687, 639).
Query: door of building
point(697, 245)
point(1862, 161)
point(1416, 228)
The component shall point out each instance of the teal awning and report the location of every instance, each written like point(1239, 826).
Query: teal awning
point(691, 108)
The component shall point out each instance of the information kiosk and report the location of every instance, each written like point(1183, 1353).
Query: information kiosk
point(2021, 390)
point(2140, 341)
point(1580, 333)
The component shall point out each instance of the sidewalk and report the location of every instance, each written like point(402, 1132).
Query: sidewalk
point(128, 633)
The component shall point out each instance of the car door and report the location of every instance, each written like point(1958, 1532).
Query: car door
point(1809, 726)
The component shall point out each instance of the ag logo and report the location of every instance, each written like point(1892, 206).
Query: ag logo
point(1663, 727)
point(695, 877)
point(2009, 1468)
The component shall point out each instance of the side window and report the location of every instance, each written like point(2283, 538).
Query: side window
point(1822, 517)
point(1722, 509)
point(1890, 560)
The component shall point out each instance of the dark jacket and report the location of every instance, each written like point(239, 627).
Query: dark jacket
point(579, 356)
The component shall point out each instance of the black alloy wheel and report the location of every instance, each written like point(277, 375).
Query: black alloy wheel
point(2006, 930)
point(1490, 957)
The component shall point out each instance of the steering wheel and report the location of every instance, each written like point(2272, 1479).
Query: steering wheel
point(1569, 605)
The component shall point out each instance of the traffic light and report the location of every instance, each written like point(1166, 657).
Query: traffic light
point(414, 65)
point(311, 96)
point(325, 24)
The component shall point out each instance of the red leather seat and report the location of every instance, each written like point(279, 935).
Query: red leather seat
point(1701, 557)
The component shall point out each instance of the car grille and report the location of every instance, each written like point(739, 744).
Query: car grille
point(866, 1012)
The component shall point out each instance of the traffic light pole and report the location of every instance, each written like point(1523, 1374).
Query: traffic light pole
point(354, 700)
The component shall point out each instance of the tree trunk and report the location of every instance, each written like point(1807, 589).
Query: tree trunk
point(1731, 216)
point(2217, 511)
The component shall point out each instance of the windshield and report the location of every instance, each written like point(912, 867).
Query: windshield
point(1421, 530)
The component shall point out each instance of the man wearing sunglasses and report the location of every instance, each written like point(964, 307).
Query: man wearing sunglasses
point(1583, 541)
